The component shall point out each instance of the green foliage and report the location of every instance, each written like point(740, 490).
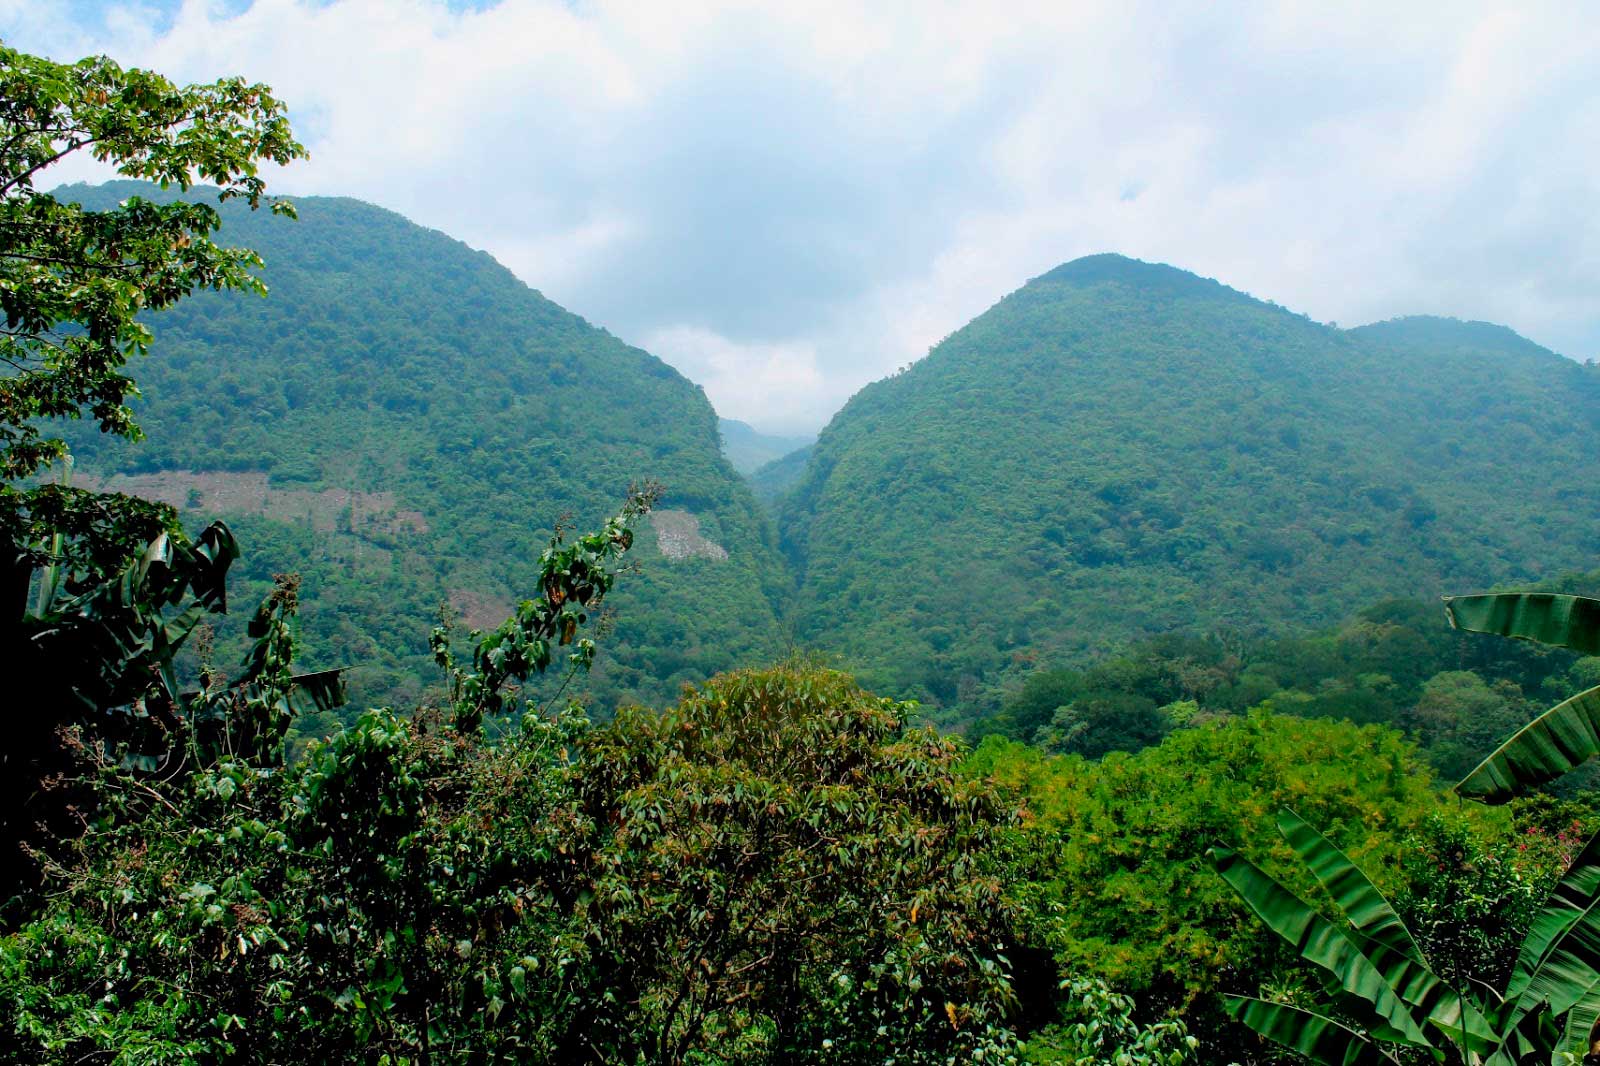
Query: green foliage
point(784, 872)
point(1099, 1027)
point(248, 718)
point(1114, 870)
point(414, 417)
point(1457, 694)
point(1120, 448)
point(1564, 737)
point(777, 870)
point(773, 480)
point(121, 587)
point(574, 578)
point(1391, 993)
point(1469, 900)
point(72, 281)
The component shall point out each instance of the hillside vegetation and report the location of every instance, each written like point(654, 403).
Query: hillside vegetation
point(1121, 448)
point(403, 421)
point(748, 449)
point(1206, 846)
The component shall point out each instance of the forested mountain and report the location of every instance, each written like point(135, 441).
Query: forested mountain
point(1121, 448)
point(773, 480)
point(403, 421)
point(748, 449)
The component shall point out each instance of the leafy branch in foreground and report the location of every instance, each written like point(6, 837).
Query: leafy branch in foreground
point(1562, 738)
point(117, 570)
point(73, 282)
point(573, 578)
point(1383, 993)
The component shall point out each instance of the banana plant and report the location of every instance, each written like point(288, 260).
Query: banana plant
point(1385, 1003)
point(1565, 736)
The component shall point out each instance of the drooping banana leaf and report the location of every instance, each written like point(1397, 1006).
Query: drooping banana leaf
point(1388, 944)
point(1355, 895)
point(1565, 621)
point(1558, 741)
point(1530, 1042)
point(1559, 963)
point(1317, 1037)
point(1319, 941)
point(322, 690)
point(1581, 1022)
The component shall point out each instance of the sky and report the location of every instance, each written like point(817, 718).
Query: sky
point(789, 200)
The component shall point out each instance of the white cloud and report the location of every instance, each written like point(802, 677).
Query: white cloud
point(777, 385)
point(823, 190)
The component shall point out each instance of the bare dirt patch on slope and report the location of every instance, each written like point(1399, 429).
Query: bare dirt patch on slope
point(251, 492)
point(678, 536)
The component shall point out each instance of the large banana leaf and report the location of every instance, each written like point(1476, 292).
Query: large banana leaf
point(320, 691)
point(1355, 895)
point(1558, 741)
point(1319, 941)
point(1384, 939)
point(1530, 1041)
point(1582, 1021)
point(1566, 621)
point(1559, 964)
point(1317, 1037)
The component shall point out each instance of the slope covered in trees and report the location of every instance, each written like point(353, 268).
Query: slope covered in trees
point(1121, 448)
point(403, 421)
point(748, 449)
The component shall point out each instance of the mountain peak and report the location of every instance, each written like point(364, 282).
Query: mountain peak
point(1110, 267)
point(1438, 330)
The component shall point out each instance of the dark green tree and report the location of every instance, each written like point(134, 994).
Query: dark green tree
point(120, 586)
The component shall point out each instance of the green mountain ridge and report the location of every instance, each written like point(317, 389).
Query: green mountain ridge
point(1116, 448)
point(772, 481)
point(403, 421)
point(1120, 448)
point(748, 449)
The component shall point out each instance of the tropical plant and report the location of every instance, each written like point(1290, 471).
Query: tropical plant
point(1568, 734)
point(401, 890)
point(73, 282)
point(776, 871)
point(246, 719)
point(573, 579)
point(783, 870)
point(1384, 995)
point(1115, 851)
point(95, 651)
point(1098, 1026)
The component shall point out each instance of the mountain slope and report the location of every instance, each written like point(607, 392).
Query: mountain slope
point(772, 481)
point(1120, 447)
point(748, 449)
point(403, 421)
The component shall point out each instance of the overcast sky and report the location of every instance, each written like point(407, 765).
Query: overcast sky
point(788, 200)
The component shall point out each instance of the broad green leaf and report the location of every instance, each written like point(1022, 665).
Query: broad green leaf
point(1384, 939)
point(1560, 959)
point(1558, 741)
point(1566, 903)
point(1582, 1020)
point(1319, 941)
point(1355, 895)
point(324, 690)
point(1317, 1037)
point(1565, 621)
point(1530, 1041)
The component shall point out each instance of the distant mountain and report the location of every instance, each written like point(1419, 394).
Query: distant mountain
point(403, 421)
point(774, 480)
point(1121, 447)
point(749, 450)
